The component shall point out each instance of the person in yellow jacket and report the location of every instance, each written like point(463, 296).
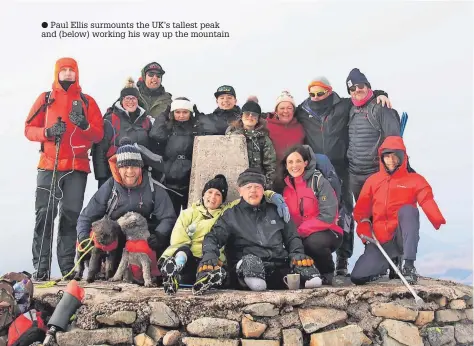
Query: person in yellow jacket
point(179, 262)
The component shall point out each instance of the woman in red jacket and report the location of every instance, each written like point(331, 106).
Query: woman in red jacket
point(388, 205)
point(313, 207)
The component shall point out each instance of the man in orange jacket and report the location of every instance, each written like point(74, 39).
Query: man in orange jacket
point(388, 205)
point(80, 125)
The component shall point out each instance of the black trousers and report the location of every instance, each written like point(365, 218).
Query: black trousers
point(179, 201)
point(346, 219)
point(69, 197)
point(320, 246)
point(188, 273)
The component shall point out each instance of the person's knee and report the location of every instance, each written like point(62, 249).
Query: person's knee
point(408, 211)
point(357, 280)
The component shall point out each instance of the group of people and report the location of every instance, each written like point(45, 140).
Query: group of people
point(310, 162)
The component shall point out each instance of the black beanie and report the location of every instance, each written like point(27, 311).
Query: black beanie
point(219, 182)
point(129, 89)
point(251, 175)
point(356, 77)
point(252, 106)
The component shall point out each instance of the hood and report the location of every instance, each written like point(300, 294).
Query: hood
point(309, 171)
point(394, 144)
point(115, 171)
point(66, 62)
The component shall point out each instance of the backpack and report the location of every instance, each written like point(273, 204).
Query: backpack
point(325, 168)
point(27, 329)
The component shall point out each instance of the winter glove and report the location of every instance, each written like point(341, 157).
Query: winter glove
point(282, 208)
point(56, 130)
point(157, 241)
point(301, 260)
point(167, 112)
point(364, 228)
point(79, 120)
point(191, 229)
point(196, 111)
point(206, 266)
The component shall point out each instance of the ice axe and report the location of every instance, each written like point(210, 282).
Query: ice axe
point(374, 240)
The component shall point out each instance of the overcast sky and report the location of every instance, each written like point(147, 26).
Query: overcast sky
point(421, 53)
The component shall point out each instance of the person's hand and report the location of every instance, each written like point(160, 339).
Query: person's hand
point(207, 266)
point(56, 130)
point(196, 111)
point(79, 120)
point(191, 229)
point(282, 208)
point(364, 228)
point(384, 100)
point(301, 260)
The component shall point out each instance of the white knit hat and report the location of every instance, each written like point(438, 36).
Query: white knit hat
point(181, 104)
point(285, 96)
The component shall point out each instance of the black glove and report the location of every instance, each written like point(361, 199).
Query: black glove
point(206, 266)
point(101, 181)
point(301, 260)
point(56, 130)
point(378, 93)
point(196, 111)
point(157, 241)
point(78, 119)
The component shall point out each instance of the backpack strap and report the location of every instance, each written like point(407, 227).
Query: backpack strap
point(316, 177)
point(113, 200)
point(47, 102)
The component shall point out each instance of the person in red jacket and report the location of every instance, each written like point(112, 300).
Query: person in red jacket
point(388, 205)
point(78, 128)
point(313, 207)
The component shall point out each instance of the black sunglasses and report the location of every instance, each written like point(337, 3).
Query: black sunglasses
point(153, 74)
point(318, 94)
point(360, 86)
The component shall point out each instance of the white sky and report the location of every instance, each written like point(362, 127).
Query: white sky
point(421, 53)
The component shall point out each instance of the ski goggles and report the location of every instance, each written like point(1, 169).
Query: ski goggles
point(358, 86)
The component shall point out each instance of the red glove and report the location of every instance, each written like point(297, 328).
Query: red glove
point(364, 228)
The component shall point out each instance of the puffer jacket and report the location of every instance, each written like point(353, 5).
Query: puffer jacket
point(284, 136)
point(75, 143)
point(260, 150)
point(117, 125)
point(217, 122)
point(384, 193)
point(177, 138)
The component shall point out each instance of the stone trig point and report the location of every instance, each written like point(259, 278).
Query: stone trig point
point(381, 313)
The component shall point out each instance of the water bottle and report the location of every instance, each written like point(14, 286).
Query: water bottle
point(181, 259)
point(22, 296)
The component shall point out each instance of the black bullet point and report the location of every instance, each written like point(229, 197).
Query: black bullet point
point(44, 25)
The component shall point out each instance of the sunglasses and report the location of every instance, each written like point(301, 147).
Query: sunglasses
point(318, 94)
point(250, 114)
point(130, 98)
point(359, 86)
point(153, 74)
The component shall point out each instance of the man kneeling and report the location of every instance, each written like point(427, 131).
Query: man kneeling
point(260, 247)
point(390, 196)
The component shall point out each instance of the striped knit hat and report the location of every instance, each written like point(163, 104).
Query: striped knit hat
point(128, 155)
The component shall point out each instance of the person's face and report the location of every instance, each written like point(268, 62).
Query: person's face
point(182, 115)
point(130, 103)
point(152, 80)
point(249, 119)
point(285, 112)
point(318, 93)
point(391, 161)
point(212, 199)
point(295, 164)
point(67, 74)
point(130, 175)
point(359, 91)
point(252, 193)
point(226, 101)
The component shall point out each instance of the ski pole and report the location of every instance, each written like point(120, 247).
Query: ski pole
point(403, 123)
point(374, 240)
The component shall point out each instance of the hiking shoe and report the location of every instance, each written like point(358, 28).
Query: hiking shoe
point(65, 276)
point(392, 273)
point(170, 272)
point(327, 279)
point(341, 267)
point(213, 278)
point(410, 274)
point(40, 276)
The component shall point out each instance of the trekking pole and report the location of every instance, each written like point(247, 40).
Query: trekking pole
point(374, 240)
point(52, 195)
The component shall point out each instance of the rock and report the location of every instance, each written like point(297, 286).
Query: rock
point(314, 319)
point(273, 331)
point(388, 341)
point(351, 335)
point(250, 342)
point(118, 317)
point(457, 304)
point(463, 333)
point(469, 302)
point(438, 336)
point(449, 315)
point(261, 310)
point(162, 315)
point(81, 337)
point(405, 333)
point(359, 310)
point(369, 324)
point(468, 314)
point(144, 340)
point(252, 329)
point(234, 315)
point(289, 320)
point(171, 338)
point(214, 328)
point(442, 302)
point(189, 341)
point(331, 300)
point(292, 337)
point(424, 317)
point(156, 333)
point(393, 311)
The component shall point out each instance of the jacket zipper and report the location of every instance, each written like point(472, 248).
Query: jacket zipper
point(386, 201)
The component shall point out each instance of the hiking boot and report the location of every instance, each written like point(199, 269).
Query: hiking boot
point(392, 273)
point(40, 276)
point(170, 273)
point(67, 275)
point(410, 274)
point(341, 267)
point(213, 278)
point(327, 278)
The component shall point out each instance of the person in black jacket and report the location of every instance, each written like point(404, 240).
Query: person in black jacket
point(124, 119)
point(131, 189)
point(260, 247)
point(174, 130)
point(223, 116)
